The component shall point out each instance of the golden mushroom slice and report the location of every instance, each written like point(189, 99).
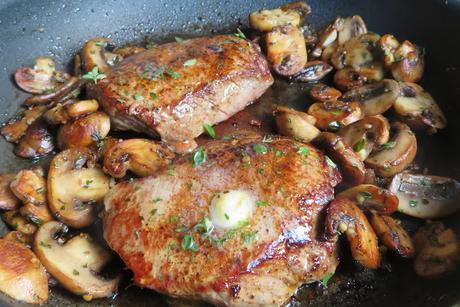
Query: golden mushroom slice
point(388, 44)
point(438, 251)
point(343, 216)
point(286, 50)
point(312, 71)
point(332, 115)
point(267, 20)
point(93, 54)
point(349, 78)
point(29, 186)
point(37, 214)
point(38, 141)
point(75, 262)
point(327, 38)
point(356, 52)
point(8, 201)
point(20, 237)
point(141, 156)
point(322, 92)
point(349, 163)
point(85, 185)
point(418, 109)
point(372, 197)
point(22, 276)
point(84, 131)
point(16, 128)
point(425, 196)
point(351, 27)
point(299, 125)
point(375, 98)
point(393, 235)
point(18, 222)
point(364, 134)
point(42, 78)
point(395, 156)
point(408, 63)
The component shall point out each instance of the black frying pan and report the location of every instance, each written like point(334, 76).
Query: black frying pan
point(59, 28)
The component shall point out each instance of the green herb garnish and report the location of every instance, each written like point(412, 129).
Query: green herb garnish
point(249, 236)
point(388, 145)
point(334, 126)
point(39, 190)
point(359, 145)
point(75, 272)
point(303, 151)
point(46, 245)
point(179, 39)
point(190, 62)
point(209, 130)
point(173, 74)
point(326, 279)
point(199, 157)
point(262, 203)
point(413, 203)
point(87, 183)
point(260, 149)
point(153, 95)
point(138, 97)
point(94, 75)
point(189, 244)
point(239, 33)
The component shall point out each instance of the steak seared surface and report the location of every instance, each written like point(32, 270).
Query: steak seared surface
point(175, 88)
point(146, 220)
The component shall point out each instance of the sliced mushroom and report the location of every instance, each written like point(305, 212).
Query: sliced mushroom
point(352, 26)
point(418, 109)
point(440, 252)
point(343, 216)
point(71, 109)
point(388, 44)
point(335, 114)
point(29, 186)
point(393, 235)
point(375, 98)
point(313, 71)
point(37, 214)
point(20, 237)
point(349, 163)
point(365, 133)
point(70, 89)
point(84, 131)
point(409, 63)
point(299, 125)
point(372, 197)
point(396, 155)
point(85, 185)
point(75, 262)
point(15, 129)
point(127, 51)
point(328, 51)
point(299, 6)
point(350, 78)
point(286, 50)
point(42, 78)
point(93, 54)
point(323, 93)
point(267, 20)
point(22, 276)
point(58, 114)
point(424, 196)
point(8, 201)
point(18, 222)
point(356, 52)
point(141, 156)
point(327, 37)
point(37, 142)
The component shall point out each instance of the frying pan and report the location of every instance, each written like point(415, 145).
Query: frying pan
point(59, 28)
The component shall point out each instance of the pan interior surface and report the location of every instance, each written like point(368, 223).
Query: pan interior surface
point(59, 29)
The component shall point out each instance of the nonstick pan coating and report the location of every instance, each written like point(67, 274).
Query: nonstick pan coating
point(59, 28)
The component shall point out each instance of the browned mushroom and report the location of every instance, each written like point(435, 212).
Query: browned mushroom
point(71, 109)
point(267, 20)
point(409, 63)
point(335, 114)
point(327, 38)
point(322, 92)
point(20, 237)
point(351, 27)
point(37, 141)
point(8, 201)
point(372, 197)
point(18, 222)
point(67, 90)
point(93, 54)
point(313, 71)
point(29, 186)
point(349, 78)
point(356, 52)
point(296, 124)
point(16, 128)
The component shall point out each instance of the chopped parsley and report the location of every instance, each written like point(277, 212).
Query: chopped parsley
point(153, 95)
point(388, 145)
point(326, 279)
point(190, 62)
point(179, 39)
point(172, 219)
point(209, 130)
point(150, 45)
point(303, 151)
point(260, 149)
point(46, 245)
point(88, 183)
point(138, 97)
point(413, 203)
point(155, 200)
point(94, 75)
point(226, 216)
point(365, 195)
point(239, 34)
point(39, 190)
point(199, 157)
point(334, 126)
point(359, 145)
point(228, 137)
point(262, 203)
point(153, 212)
point(248, 236)
point(173, 74)
point(189, 244)
point(75, 272)
point(204, 227)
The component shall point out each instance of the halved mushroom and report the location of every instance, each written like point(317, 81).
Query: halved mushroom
point(37, 214)
point(18, 222)
point(22, 276)
point(388, 44)
point(296, 124)
point(424, 196)
point(58, 115)
point(127, 51)
point(327, 52)
point(16, 128)
point(93, 54)
point(42, 78)
point(71, 109)
point(75, 262)
point(84, 131)
point(141, 156)
point(438, 251)
point(372, 197)
point(349, 163)
point(20, 237)
point(393, 235)
point(29, 186)
point(335, 114)
point(409, 63)
point(37, 141)
point(267, 20)
point(356, 52)
point(8, 201)
point(352, 26)
point(70, 89)
point(322, 92)
point(312, 71)
point(74, 201)
point(286, 50)
point(327, 37)
point(375, 98)
point(418, 109)
point(396, 155)
point(343, 216)
point(364, 134)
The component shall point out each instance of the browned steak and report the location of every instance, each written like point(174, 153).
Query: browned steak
point(261, 263)
point(175, 88)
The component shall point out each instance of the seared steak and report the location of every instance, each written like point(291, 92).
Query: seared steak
point(175, 88)
point(148, 221)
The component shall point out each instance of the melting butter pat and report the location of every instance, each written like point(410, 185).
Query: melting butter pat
point(230, 209)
